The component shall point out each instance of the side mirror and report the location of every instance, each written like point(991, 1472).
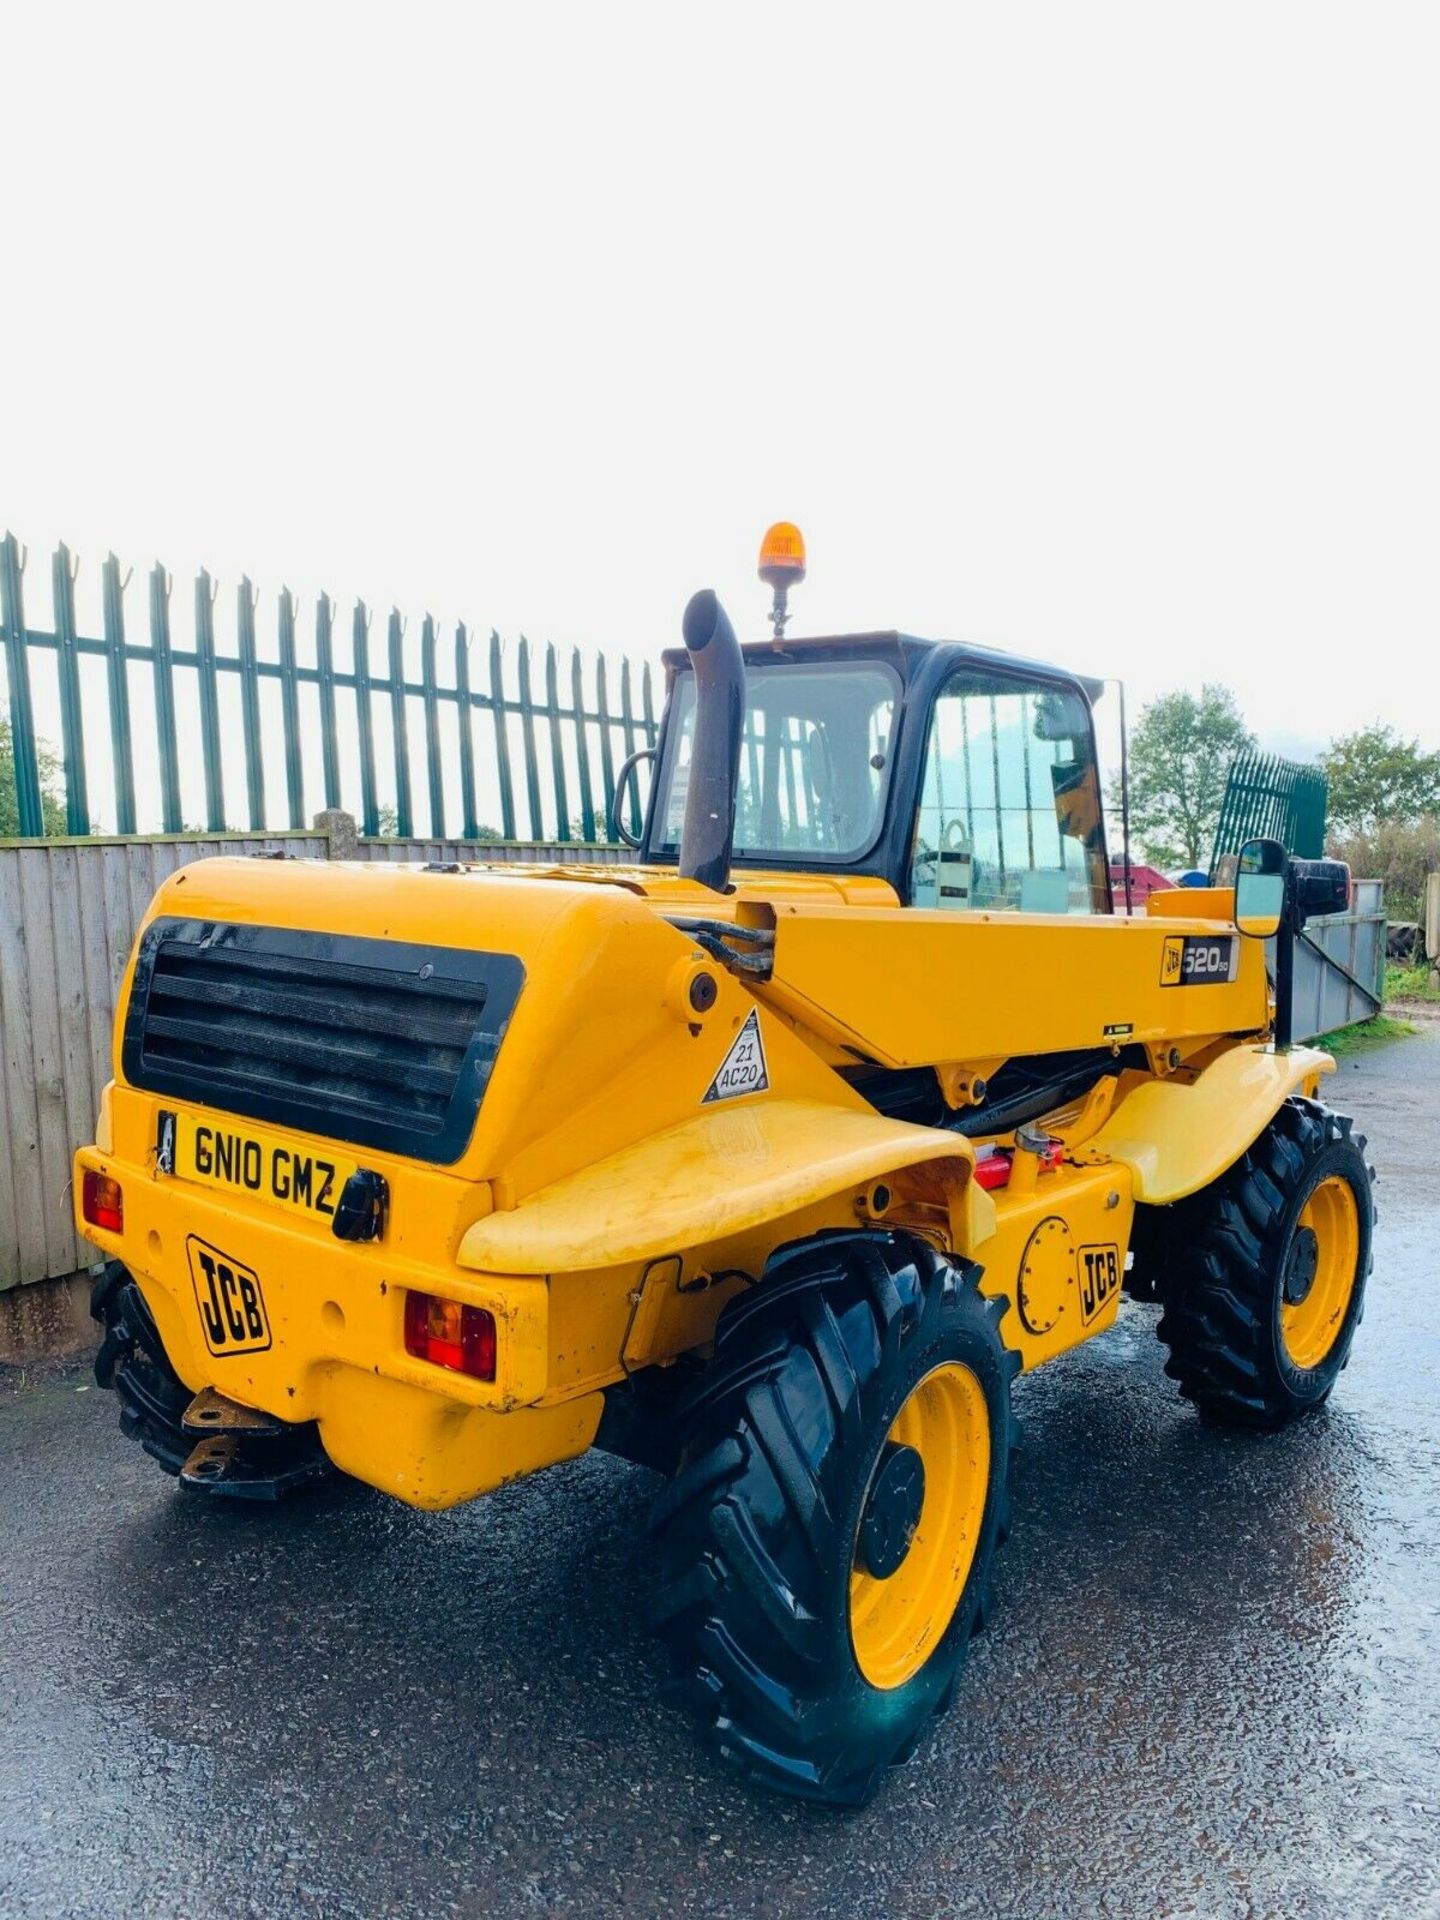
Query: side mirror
point(1260, 888)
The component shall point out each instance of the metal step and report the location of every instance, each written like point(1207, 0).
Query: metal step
point(211, 1413)
point(255, 1466)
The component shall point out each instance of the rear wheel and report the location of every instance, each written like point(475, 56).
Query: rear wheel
point(826, 1543)
point(1265, 1283)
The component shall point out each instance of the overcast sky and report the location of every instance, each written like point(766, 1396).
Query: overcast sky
point(1104, 333)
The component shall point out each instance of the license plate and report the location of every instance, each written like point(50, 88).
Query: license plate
point(266, 1166)
point(230, 1300)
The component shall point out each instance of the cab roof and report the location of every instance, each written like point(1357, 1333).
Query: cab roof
point(905, 651)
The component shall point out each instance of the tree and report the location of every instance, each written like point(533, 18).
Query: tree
point(1180, 754)
point(1402, 853)
point(52, 803)
point(1376, 778)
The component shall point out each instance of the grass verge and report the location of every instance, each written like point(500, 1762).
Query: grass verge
point(1368, 1033)
point(1411, 983)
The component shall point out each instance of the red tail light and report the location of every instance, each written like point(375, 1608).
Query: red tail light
point(102, 1202)
point(448, 1334)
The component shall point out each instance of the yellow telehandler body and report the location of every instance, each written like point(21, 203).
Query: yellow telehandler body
point(766, 1160)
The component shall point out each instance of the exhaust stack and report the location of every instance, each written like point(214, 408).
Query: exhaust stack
point(708, 834)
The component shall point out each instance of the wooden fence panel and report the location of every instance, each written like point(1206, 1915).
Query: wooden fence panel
point(25, 1232)
point(79, 1094)
point(47, 1081)
point(95, 967)
point(19, 1166)
point(481, 852)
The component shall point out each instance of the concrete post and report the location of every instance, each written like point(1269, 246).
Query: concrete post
point(340, 830)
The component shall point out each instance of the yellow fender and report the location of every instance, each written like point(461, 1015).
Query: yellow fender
point(720, 1174)
point(1176, 1136)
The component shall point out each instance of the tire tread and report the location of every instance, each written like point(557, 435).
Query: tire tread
point(742, 1619)
point(1216, 1280)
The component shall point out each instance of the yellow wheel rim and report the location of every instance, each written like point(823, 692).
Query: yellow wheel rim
point(896, 1622)
point(1320, 1274)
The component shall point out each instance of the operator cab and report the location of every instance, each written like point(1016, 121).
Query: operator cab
point(966, 778)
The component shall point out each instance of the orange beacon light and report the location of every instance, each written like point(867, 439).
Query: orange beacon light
point(782, 566)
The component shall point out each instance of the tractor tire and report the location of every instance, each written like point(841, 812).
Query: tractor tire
point(826, 1544)
point(1151, 1249)
point(1265, 1282)
point(132, 1362)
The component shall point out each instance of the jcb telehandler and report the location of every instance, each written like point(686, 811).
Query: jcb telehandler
point(767, 1161)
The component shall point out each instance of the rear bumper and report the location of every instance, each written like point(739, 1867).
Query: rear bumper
point(336, 1352)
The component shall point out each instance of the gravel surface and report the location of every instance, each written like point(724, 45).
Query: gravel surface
point(1212, 1685)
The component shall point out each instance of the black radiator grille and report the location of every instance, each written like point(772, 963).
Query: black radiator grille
point(378, 1042)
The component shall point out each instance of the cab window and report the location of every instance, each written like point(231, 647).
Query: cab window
point(1009, 815)
point(814, 760)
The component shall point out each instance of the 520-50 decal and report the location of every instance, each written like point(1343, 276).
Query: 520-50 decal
point(1199, 960)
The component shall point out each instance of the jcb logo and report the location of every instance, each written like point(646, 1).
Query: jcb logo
point(1171, 962)
point(1099, 1279)
point(232, 1307)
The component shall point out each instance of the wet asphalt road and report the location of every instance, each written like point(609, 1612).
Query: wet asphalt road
point(1212, 1685)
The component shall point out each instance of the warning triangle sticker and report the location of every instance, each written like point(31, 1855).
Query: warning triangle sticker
point(743, 1070)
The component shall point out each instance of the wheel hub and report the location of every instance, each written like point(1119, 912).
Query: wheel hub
point(892, 1512)
point(920, 1525)
point(1302, 1266)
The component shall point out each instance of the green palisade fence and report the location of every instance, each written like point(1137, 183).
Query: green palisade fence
point(1273, 799)
point(224, 706)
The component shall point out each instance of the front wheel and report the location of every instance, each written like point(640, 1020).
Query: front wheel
point(826, 1543)
point(1267, 1284)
